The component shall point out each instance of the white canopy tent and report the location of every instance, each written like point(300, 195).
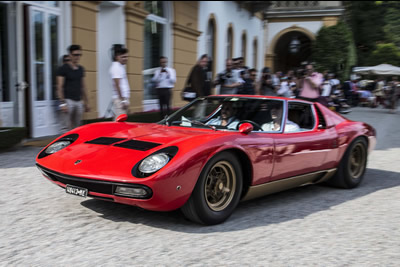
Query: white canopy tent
point(382, 69)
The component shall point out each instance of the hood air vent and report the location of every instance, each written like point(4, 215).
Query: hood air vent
point(104, 141)
point(138, 145)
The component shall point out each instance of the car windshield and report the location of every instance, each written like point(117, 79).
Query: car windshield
point(228, 113)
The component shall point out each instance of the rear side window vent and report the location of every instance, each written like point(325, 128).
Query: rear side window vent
point(321, 119)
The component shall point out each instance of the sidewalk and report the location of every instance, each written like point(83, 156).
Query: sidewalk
point(39, 142)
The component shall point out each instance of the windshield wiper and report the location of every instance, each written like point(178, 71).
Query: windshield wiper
point(199, 123)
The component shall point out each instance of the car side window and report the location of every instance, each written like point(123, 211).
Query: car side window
point(302, 115)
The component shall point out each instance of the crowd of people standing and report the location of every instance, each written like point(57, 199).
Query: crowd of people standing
point(303, 83)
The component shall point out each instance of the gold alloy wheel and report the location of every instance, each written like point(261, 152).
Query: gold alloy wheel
point(220, 186)
point(357, 161)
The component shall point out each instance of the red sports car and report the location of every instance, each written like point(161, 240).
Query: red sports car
point(211, 154)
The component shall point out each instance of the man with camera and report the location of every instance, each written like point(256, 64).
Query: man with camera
point(311, 84)
point(165, 79)
point(227, 79)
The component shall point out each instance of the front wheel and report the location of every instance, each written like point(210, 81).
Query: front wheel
point(217, 191)
point(352, 166)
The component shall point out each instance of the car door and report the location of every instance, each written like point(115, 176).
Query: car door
point(309, 149)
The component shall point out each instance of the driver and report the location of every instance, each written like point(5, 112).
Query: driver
point(227, 117)
point(275, 124)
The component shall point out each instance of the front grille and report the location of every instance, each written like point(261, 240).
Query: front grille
point(97, 186)
point(91, 185)
point(104, 141)
point(138, 145)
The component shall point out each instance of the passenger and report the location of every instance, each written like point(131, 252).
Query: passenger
point(227, 117)
point(275, 124)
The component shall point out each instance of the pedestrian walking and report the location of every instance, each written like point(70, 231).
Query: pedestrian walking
point(165, 79)
point(121, 89)
point(71, 88)
point(196, 80)
point(196, 85)
point(379, 93)
point(394, 94)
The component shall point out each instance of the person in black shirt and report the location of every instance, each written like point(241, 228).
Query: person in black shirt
point(248, 85)
point(71, 90)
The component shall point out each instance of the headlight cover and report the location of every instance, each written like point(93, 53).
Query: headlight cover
point(57, 146)
point(153, 163)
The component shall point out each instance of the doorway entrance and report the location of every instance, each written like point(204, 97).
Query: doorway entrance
point(43, 28)
point(292, 50)
point(8, 72)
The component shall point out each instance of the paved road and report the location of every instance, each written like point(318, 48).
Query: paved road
point(310, 226)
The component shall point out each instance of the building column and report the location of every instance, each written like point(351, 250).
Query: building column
point(84, 33)
point(135, 18)
point(185, 42)
point(269, 62)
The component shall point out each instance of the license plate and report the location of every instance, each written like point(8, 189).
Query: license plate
point(75, 190)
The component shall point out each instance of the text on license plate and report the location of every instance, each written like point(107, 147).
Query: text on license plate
point(75, 190)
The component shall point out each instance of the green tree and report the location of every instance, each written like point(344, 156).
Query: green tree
point(385, 53)
point(334, 50)
point(367, 21)
point(392, 22)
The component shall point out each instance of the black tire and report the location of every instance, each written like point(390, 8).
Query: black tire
point(217, 191)
point(352, 167)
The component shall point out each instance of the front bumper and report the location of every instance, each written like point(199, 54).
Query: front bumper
point(104, 190)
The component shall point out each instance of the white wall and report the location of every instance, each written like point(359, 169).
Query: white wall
point(111, 30)
point(226, 12)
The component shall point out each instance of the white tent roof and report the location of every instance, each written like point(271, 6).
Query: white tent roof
point(382, 69)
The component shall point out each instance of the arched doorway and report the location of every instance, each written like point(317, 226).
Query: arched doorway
point(291, 50)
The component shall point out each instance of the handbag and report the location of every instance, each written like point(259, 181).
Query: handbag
point(188, 93)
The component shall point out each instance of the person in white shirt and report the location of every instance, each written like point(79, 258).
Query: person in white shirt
point(275, 124)
point(121, 90)
point(284, 89)
point(165, 79)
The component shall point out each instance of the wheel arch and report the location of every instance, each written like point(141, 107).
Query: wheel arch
point(247, 169)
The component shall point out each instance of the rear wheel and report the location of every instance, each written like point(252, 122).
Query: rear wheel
point(217, 191)
point(352, 167)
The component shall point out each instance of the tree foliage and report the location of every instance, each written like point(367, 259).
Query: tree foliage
point(334, 50)
point(373, 24)
point(366, 20)
point(392, 22)
point(385, 53)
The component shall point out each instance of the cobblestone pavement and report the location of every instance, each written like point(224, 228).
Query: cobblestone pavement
point(310, 226)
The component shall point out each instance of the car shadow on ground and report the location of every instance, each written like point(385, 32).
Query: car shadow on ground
point(290, 205)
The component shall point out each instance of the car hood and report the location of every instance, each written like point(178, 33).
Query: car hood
point(114, 161)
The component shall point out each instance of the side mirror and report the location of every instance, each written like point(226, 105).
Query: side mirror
point(122, 118)
point(246, 128)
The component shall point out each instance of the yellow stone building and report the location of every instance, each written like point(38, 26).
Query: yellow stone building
point(35, 34)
